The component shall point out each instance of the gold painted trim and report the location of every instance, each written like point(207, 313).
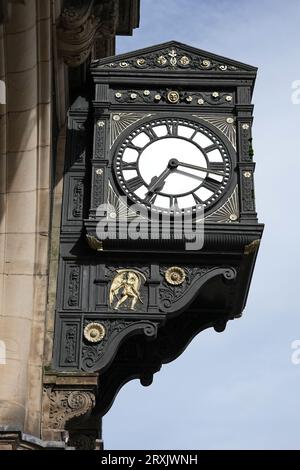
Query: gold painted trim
point(94, 243)
point(252, 247)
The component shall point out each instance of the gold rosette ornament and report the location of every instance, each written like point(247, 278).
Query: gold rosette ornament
point(175, 276)
point(94, 332)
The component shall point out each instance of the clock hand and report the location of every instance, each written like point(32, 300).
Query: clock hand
point(156, 181)
point(153, 185)
point(201, 168)
point(190, 175)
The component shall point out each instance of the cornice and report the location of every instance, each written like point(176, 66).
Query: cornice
point(89, 27)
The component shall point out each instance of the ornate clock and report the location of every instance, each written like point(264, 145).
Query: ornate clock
point(174, 164)
point(169, 130)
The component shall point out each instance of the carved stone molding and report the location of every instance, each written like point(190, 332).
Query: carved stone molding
point(65, 398)
point(81, 22)
point(12, 438)
point(67, 404)
point(85, 441)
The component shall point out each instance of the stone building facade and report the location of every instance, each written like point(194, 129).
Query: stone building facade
point(45, 47)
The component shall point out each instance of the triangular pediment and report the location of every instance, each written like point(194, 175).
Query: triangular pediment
point(170, 56)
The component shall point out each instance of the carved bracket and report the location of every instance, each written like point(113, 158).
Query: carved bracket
point(100, 356)
point(81, 22)
point(65, 398)
point(174, 298)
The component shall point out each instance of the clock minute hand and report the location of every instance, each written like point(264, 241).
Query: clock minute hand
point(201, 168)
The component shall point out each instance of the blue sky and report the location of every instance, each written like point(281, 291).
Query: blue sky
point(238, 389)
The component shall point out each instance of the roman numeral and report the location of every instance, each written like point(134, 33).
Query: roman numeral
point(174, 203)
point(211, 185)
point(172, 128)
point(211, 147)
point(135, 183)
point(150, 133)
point(216, 166)
point(129, 165)
point(193, 134)
point(197, 199)
point(130, 145)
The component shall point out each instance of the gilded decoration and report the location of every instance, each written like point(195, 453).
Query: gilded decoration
point(173, 96)
point(252, 247)
point(173, 57)
point(94, 332)
point(175, 276)
point(125, 289)
point(94, 243)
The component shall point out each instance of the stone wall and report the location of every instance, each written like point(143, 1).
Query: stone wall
point(37, 39)
point(25, 150)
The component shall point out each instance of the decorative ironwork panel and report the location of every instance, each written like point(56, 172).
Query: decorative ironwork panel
point(73, 286)
point(70, 341)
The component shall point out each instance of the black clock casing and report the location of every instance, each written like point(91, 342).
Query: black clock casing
point(126, 306)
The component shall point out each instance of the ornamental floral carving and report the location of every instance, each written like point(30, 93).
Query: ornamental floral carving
point(171, 96)
point(91, 353)
point(81, 23)
point(94, 332)
point(248, 202)
point(67, 404)
point(171, 293)
point(98, 355)
point(70, 344)
point(175, 276)
point(170, 58)
point(73, 285)
point(77, 199)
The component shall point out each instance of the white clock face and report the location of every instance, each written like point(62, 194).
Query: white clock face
point(172, 164)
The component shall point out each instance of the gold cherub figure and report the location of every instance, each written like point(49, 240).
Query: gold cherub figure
point(127, 283)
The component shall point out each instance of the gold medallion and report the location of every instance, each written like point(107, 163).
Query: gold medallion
point(173, 96)
point(175, 276)
point(94, 332)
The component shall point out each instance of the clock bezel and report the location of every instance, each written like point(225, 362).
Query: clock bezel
point(215, 201)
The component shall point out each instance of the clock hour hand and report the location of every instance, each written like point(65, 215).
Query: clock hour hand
point(157, 182)
point(155, 186)
point(201, 168)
